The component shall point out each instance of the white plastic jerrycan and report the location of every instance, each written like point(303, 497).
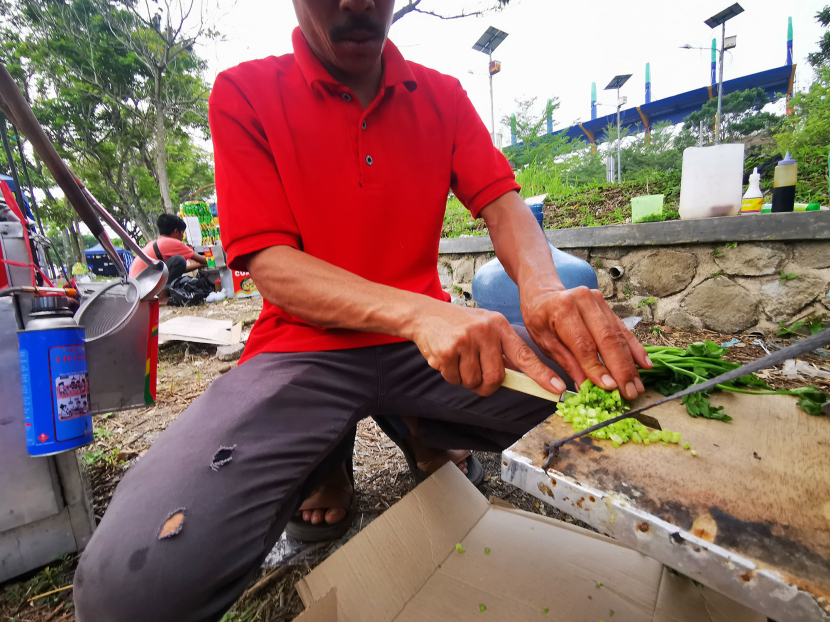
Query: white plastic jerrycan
point(712, 181)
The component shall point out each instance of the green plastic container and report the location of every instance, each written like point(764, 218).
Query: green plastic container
point(642, 208)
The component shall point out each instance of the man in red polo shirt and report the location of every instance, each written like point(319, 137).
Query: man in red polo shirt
point(333, 166)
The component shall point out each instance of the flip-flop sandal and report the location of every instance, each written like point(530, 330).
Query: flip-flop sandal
point(323, 498)
point(475, 472)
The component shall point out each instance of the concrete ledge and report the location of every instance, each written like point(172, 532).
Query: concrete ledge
point(757, 228)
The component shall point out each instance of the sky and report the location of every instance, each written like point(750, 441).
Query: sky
point(556, 48)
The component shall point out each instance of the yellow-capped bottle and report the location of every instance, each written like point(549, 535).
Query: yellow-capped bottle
point(783, 190)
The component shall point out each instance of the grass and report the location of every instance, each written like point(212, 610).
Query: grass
point(571, 205)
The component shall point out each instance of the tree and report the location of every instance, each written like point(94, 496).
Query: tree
point(822, 57)
point(531, 129)
point(94, 97)
point(743, 117)
point(414, 6)
point(806, 135)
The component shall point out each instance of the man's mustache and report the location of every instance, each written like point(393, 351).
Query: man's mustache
point(356, 24)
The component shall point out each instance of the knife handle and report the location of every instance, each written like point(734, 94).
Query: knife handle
point(517, 381)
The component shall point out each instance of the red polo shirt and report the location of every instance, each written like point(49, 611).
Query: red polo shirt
point(299, 162)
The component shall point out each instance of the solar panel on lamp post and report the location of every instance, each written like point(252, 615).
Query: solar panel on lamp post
point(616, 83)
point(489, 41)
point(720, 19)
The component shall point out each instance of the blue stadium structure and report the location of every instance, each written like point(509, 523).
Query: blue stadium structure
point(775, 82)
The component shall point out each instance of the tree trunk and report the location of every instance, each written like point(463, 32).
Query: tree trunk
point(74, 240)
point(161, 148)
point(66, 249)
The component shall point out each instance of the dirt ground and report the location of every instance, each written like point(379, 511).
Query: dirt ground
point(381, 474)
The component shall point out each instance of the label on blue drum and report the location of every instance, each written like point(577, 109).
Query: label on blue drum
point(55, 382)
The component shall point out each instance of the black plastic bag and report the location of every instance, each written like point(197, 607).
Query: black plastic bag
point(188, 291)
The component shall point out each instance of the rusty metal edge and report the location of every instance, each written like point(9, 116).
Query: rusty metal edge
point(718, 568)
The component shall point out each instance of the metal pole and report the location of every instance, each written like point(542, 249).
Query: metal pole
point(619, 139)
point(720, 82)
point(492, 113)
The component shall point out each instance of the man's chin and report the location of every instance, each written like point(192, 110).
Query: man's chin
point(358, 54)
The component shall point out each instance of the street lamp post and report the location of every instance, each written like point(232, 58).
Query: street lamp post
point(616, 83)
point(713, 22)
point(489, 41)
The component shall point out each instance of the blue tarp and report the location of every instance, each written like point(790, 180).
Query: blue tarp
point(99, 263)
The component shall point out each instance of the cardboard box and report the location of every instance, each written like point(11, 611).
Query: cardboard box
point(405, 567)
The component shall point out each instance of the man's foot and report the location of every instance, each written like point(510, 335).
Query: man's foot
point(429, 460)
point(331, 501)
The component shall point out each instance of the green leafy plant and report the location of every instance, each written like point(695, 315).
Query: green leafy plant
point(650, 302)
point(813, 324)
point(99, 433)
point(657, 330)
point(715, 275)
point(627, 291)
point(597, 262)
point(676, 369)
point(731, 245)
point(717, 253)
point(788, 276)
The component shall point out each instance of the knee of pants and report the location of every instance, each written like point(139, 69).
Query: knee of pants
point(106, 589)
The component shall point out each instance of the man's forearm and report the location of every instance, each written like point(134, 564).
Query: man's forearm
point(520, 244)
point(327, 296)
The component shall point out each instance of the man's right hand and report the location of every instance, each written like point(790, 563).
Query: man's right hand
point(467, 345)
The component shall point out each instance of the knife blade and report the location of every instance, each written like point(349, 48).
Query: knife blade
point(800, 347)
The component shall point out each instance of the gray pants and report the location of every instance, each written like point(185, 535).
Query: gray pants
point(234, 467)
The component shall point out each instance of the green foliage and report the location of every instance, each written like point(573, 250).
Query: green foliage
point(531, 131)
point(743, 116)
point(805, 133)
point(647, 302)
point(458, 221)
point(717, 252)
point(98, 75)
point(822, 57)
point(627, 291)
point(788, 276)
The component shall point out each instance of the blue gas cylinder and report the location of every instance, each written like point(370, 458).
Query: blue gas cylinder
point(53, 370)
point(495, 291)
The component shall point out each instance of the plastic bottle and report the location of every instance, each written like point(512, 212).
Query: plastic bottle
point(783, 191)
point(754, 197)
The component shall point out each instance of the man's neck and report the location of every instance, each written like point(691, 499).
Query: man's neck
point(365, 86)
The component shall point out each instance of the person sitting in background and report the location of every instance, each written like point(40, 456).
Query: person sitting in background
point(170, 248)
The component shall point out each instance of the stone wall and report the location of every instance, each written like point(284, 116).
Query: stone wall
point(728, 287)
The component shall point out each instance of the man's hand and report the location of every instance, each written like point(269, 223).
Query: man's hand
point(466, 346)
point(572, 326)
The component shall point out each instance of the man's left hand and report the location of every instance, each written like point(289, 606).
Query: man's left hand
point(575, 327)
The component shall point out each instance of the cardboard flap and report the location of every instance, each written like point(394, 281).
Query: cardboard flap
point(681, 600)
point(385, 565)
point(323, 610)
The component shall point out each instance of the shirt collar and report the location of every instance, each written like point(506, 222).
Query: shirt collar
point(395, 68)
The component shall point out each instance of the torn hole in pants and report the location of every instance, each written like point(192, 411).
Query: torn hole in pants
point(222, 456)
point(173, 525)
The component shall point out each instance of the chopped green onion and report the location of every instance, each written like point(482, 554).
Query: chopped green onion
point(686, 446)
point(694, 453)
point(482, 608)
point(486, 551)
point(544, 610)
point(459, 548)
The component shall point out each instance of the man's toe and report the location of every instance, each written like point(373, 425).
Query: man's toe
point(335, 515)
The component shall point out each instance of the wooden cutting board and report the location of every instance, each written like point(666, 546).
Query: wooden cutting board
point(759, 486)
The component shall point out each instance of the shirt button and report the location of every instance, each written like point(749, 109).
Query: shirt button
point(369, 160)
point(364, 125)
point(347, 97)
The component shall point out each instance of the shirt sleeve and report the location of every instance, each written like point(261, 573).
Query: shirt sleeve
point(480, 173)
point(253, 209)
